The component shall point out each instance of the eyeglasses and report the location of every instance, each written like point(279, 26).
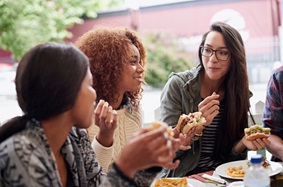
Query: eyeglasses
point(220, 55)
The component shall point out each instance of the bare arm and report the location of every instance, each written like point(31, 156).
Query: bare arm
point(276, 146)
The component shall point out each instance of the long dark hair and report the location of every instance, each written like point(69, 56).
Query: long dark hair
point(236, 89)
point(48, 80)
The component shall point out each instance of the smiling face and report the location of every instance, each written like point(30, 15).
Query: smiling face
point(82, 111)
point(215, 69)
point(132, 77)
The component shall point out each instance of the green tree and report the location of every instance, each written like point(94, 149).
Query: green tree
point(165, 54)
point(26, 23)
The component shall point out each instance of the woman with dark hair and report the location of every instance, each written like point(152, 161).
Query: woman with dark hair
point(48, 145)
point(117, 61)
point(217, 87)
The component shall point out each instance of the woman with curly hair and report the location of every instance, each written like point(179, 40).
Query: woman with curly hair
point(117, 60)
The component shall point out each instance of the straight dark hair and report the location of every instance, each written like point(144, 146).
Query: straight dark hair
point(48, 80)
point(236, 90)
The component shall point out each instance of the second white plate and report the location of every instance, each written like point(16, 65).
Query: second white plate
point(273, 169)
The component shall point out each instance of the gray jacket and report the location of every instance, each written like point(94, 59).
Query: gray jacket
point(181, 95)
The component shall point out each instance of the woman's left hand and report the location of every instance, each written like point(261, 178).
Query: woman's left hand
point(186, 139)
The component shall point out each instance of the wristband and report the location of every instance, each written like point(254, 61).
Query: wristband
point(198, 135)
point(195, 138)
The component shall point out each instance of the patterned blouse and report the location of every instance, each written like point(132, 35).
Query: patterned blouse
point(26, 159)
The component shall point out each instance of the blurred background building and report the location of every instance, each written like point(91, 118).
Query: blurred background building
point(182, 22)
point(258, 21)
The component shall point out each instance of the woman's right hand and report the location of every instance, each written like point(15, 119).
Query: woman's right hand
point(148, 149)
point(106, 119)
point(209, 108)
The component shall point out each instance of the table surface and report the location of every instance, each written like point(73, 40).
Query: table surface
point(276, 181)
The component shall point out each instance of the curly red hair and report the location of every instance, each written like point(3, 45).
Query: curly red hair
point(107, 49)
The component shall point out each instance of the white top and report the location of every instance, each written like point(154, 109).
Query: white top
point(128, 122)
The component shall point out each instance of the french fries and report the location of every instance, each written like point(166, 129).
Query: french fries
point(235, 171)
point(174, 182)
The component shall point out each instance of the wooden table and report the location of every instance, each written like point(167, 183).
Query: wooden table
point(277, 180)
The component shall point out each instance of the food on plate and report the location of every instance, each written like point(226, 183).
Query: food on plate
point(157, 124)
point(235, 171)
point(256, 131)
point(265, 163)
point(186, 122)
point(171, 182)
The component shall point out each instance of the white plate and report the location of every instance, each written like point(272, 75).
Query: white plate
point(195, 183)
point(191, 183)
point(273, 169)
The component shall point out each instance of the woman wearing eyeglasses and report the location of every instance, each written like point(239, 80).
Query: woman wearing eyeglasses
point(217, 87)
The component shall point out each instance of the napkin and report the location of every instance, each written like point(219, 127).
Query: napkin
point(199, 176)
point(217, 179)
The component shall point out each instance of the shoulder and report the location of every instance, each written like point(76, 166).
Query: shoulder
point(185, 76)
point(132, 117)
point(183, 79)
point(132, 110)
point(278, 73)
point(24, 152)
point(278, 70)
point(276, 79)
point(29, 139)
point(137, 110)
